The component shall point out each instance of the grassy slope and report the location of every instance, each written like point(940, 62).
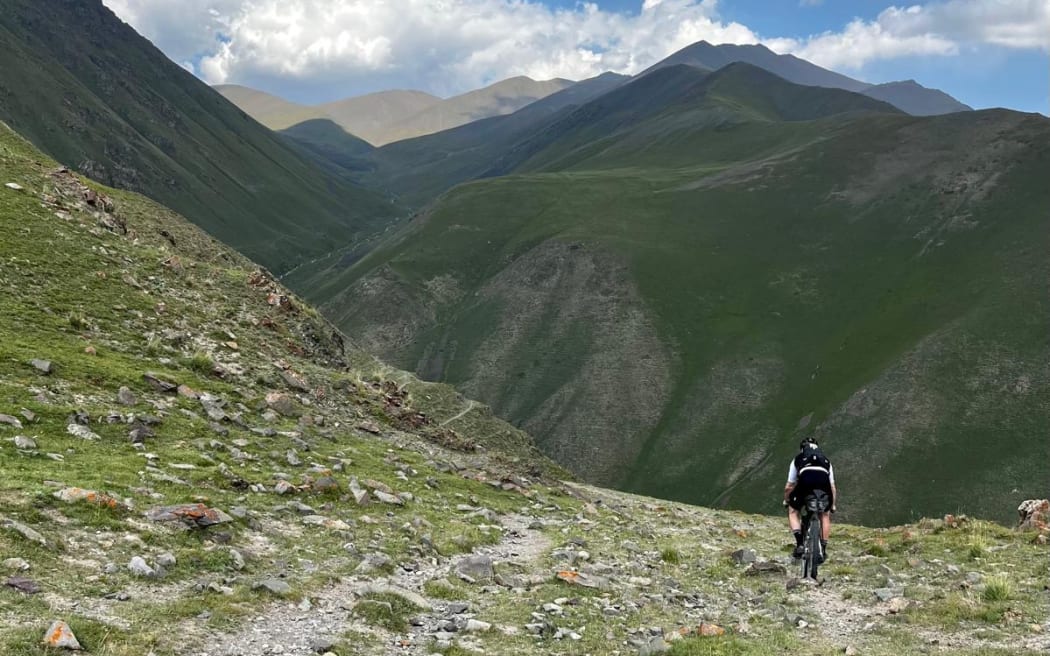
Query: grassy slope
point(93, 94)
point(106, 307)
point(174, 303)
point(877, 274)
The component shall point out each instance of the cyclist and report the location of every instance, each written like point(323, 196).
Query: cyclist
point(810, 471)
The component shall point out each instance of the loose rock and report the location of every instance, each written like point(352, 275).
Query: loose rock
point(10, 421)
point(273, 586)
point(126, 397)
point(193, 514)
point(83, 432)
point(22, 584)
point(158, 384)
point(139, 567)
point(744, 556)
point(475, 568)
point(24, 531)
point(60, 636)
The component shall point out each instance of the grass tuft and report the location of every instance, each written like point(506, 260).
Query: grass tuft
point(389, 611)
point(199, 362)
point(996, 589)
point(671, 556)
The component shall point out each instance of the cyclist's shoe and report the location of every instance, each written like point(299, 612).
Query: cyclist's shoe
point(798, 552)
point(821, 557)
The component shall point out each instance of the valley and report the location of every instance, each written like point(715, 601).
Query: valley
point(510, 370)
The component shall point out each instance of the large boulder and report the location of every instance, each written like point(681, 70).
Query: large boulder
point(1034, 515)
point(192, 514)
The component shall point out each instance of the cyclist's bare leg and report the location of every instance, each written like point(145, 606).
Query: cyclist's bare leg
point(794, 520)
point(825, 526)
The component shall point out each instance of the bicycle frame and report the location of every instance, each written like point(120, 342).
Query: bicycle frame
point(811, 514)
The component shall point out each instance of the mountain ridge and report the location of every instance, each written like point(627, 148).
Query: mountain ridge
point(388, 116)
point(909, 95)
point(588, 246)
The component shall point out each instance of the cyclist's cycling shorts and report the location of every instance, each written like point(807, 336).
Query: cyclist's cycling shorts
point(807, 483)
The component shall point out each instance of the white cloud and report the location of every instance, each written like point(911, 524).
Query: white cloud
point(449, 46)
point(937, 28)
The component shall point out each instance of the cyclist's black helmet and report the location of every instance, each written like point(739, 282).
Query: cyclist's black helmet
point(808, 441)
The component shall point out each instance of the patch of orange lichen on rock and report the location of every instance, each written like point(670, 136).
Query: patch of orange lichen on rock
point(193, 514)
point(582, 579)
point(74, 494)
point(709, 630)
point(61, 636)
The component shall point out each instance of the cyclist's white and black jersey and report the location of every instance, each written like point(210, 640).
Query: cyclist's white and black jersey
point(793, 473)
point(809, 471)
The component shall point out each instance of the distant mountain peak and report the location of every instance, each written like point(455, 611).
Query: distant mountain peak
point(907, 95)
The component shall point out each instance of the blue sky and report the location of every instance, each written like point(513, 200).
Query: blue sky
point(986, 53)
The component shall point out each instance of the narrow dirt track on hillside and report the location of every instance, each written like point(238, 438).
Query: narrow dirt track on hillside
point(470, 406)
point(290, 629)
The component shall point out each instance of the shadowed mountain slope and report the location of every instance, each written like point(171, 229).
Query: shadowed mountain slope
point(908, 96)
point(92, 93)
point(418, 170)
point(676, 280)
point(916, 99)
point(330, 143)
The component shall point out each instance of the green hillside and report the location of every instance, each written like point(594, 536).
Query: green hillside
point(420, 169)
point(89, 91)
point(677, 283)
point(195, 462)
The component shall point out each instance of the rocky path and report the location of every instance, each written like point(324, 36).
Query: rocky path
point(470, 406)
point(323, 619)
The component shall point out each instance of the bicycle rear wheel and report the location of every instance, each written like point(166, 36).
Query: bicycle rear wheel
point(812, 559)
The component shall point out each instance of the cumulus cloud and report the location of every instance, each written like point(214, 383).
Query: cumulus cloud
point(446, 45)
point(937, 28)
point(449, 46)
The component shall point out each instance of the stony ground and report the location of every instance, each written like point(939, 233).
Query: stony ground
point(194, 463)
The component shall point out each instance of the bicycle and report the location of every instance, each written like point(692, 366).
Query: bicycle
point(813, 509)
